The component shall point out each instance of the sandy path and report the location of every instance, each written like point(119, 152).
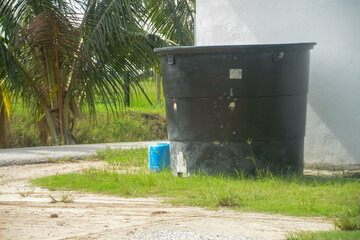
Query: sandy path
point(93, 216)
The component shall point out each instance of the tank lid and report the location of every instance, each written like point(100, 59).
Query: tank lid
point(236, 48)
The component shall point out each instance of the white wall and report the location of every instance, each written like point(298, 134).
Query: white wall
point(333, 122)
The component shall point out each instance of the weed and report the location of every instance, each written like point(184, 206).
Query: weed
point(227, 199)
point(62, 159)
point(25, 194)
point(263, 173)
point(349, 221)
point(240, 174)
point(257, 171)
point(53, 200)
point(65, 198)
point(317, 169)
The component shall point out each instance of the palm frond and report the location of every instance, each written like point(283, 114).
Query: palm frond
point(57, 58)
point(49, 43)
point(173, 19)
point(118, 47)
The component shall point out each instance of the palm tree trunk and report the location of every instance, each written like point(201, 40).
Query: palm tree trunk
point(158, 88)
point(51, 126)
point(63, 131)
point(3, 124)
point(127, 91)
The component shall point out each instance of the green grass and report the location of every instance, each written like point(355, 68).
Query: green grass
point(22, 128)
point(286, 194)
point(139, 122)
point(126, 127)
point(124, 158)
point(138, 102)
point(350, 220)
point(331, 235)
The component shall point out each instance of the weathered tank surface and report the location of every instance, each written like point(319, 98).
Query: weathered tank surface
point(236, 108)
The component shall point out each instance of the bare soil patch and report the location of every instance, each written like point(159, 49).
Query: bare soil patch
point(26, 212)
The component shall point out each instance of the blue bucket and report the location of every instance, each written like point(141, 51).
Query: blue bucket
point(159, 157)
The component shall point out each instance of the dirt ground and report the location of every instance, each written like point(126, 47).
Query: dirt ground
point(26, 212)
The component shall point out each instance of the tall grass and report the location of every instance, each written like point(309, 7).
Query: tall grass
point(139, 122)
point(127, 126)
point(22, 130)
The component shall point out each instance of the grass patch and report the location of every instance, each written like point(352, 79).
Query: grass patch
point(330, 235)
point(138, 102)
point(288, 194)
point(22, 130)
point(124, 158)
point(350, 220)
point(139, 122)
point(126, 127)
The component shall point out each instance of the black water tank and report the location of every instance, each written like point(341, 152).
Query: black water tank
point(236, 107)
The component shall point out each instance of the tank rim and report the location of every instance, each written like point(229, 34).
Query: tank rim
point(236, 48)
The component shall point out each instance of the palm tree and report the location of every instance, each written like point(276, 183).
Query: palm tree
point(3, 118)
point(173, 19)
point(58, 55)
point(5, 107)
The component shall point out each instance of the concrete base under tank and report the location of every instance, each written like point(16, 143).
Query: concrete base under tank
point(188, 157)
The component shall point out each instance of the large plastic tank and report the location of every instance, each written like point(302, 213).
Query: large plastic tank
point(236, 108)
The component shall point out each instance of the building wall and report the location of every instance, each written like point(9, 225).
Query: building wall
point(333, 118)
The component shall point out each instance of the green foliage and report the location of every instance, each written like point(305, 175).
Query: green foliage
point(57, 60)
point(350, 220)
point(140, 122)
point(22, 130)
point(139, 103)
point(175, 20)
point(290, 194)
point(330, 235)
point(127, 127)
point(227, 199)
point(62, 159)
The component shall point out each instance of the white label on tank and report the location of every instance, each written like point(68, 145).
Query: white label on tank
point(236, 73)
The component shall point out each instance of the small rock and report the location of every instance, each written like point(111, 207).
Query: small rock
point(54, 215)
